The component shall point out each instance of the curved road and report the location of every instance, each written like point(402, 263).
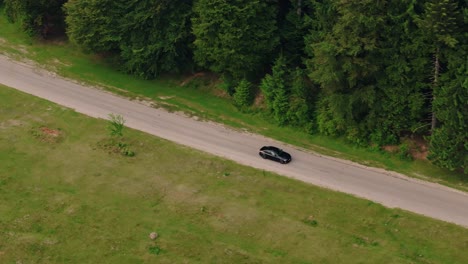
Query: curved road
point(387, 188)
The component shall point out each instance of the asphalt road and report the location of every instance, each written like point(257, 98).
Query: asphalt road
point(388, 188)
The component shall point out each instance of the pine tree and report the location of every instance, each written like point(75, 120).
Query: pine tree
point(243, 95)
point(449, 140)
point(37, 17)
point(95, 26)
point(276, 90)
point(301, 101)
point(439, 22)
point(156, 37)
point(344, 62)
point(234, 38)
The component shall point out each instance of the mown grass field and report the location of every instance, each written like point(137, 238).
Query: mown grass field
point(197, 99)
point(66, 199)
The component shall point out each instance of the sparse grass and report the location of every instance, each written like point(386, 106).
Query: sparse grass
point(70, 201)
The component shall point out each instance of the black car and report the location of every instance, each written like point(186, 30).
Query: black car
point(274, 153)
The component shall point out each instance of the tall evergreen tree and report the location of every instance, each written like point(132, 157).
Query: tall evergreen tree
point(439, 22)
point(38, 17)
point(149, 36)
point(449, 140)
point(234, 38)
point(402, 81)
point(276, 90)
point(243, 95)
point(156, 37)
point(294, 22)
point(345, 62)
point(301, 103)
point(95, 25)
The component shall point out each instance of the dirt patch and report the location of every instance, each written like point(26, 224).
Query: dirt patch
point(391, 148)
point(48, 135)
point(418, 147)
point(259, 100)
point(190, 78)
point(50, 132)
point(220, 93)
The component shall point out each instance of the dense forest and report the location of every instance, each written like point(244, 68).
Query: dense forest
point(366, 70)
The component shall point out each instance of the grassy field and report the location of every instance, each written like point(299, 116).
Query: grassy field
point(66, 198)
point(197, 99)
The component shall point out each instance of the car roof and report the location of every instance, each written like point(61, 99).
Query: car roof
point(270, 148)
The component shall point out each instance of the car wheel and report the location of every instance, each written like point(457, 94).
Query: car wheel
point(282, 161)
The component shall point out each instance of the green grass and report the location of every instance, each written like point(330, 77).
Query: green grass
point(66, 199)
point(195, 99)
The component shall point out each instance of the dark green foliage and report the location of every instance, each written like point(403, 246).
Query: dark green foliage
point(148, 36)
point(294, 23)
point(288, 95)
point(281, 106)
point(267, 87)
point(234, 38)
point(95, 25)
point(156, 37)
point(345, 64)
point(330, 121)
point(280, 91)
point(38, 17)
point(276, 91)
point(244, 95)
point(439, 22)
point(301, 105)
point(372, 67)
point(401, 83)
point(449, 142)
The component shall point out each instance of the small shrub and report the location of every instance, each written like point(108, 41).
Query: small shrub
point(364, 241)
point(116, 125)
point(310, 221)
point(127, 152)
point(155, 250)
point(113, 146)
point(404, 152)
point(243, 96)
